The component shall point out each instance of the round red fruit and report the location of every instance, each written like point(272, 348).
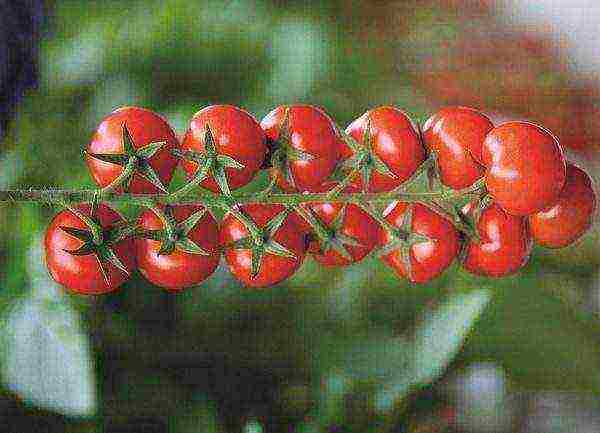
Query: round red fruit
point(140, 138)
point(232, 139)
point(274, 255)
point(526, 169)
point(79, 264)
point(424, 244)
point(566, 220)
point(456, 134)
point(304, 146)
point(390, 148)
point(186, 256)
point(504, 244)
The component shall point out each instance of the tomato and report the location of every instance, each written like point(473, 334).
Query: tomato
point(427, 242)
point(304, 146)
point(352, 232)
point(275, 256)
point(526, 169)
point(504, 246)
point(566, 220)
point(192, 252)
point(456, 134)
point(391, 148)
point(133, 132)
point(234, 141)
point(78, 264)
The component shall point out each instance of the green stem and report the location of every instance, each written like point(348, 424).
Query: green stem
point(127, 172)
point(192, 184)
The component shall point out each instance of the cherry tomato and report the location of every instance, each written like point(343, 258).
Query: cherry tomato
point(179, 268)
point(393, 147)
point(505, 242)
point(239, 145)
point(526, 169)
point(305, 146)
point(137, 132)
point(84, 267)
point(271, 252)
point(456, 134)
point(427, 245)
point(353, 232)
point(566, 220)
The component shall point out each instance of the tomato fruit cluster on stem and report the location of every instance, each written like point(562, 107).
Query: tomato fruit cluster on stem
point(500, 188)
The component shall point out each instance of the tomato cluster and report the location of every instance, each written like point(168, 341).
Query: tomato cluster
point(521, 190)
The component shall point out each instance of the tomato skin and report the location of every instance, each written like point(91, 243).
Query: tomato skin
point(237, 134)
point(82, 274)
point(457, 134)
point(312, 131)
point(395, 140)
point(505, 245)
point(526, 168)
point(428, 259)
point(145, 127)
point(274, 269)
point(179, 269)
point(566, 220)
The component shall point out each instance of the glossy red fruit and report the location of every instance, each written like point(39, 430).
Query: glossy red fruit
point(241, 250)
point(526, 169)
point(505, 242)
point(76, 270)
point(107, 153)
point(456, 134)
point(237, 137)
point(566, 220)
point(393, 145)
point(179, 268)
point(427, 246)
point(353, 232)
point(305, 146)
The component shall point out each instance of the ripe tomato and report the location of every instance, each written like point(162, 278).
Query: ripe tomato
point(566, 220)
point(179, 268)
point(428, 245)
point(81, 266)
point(127, 132)
point(352, 232)
point(234, 137)
point(505, 242)
point(278, 253)
point(392, 147)
point(456, 134)
point(304, 146)
point(526, 169)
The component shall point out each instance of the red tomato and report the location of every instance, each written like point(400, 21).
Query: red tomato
point(273, 268)
point(505, 243)
point(83, 273)
point(431, 245)
point(456, 134)
point(236, 134)
point(106, 154)
point(394, 143)
point(354, 233)
point(179, 269)
point(526, 169)
point(566, 220)
point(308, 148)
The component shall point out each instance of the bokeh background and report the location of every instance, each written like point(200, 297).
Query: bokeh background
point(352, 349)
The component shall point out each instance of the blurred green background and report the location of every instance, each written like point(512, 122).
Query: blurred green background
point(320, 348)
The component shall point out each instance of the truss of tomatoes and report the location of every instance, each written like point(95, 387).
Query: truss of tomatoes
point(528, 192)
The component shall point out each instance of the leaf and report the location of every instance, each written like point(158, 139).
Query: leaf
point(149, 150)
point(433, 346)
point(188, 246)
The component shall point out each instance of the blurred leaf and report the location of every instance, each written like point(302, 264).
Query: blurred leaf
point(433, 346)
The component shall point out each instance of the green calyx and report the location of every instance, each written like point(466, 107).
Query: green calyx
point(261, 240)
point(134, 161)
point(283, 151)
point(174, 235)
